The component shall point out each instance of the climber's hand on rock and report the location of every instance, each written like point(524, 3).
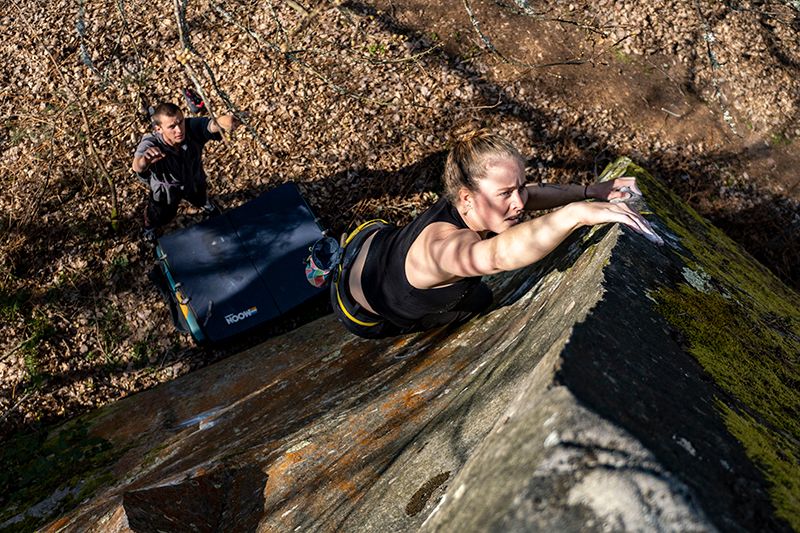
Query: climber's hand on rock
point(602, 212)
point(620, 189)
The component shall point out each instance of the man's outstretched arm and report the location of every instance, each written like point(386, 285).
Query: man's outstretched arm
point(149, 156)
point(224, 122)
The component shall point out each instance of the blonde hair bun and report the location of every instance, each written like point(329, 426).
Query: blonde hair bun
point(473, 148)
point(468, 131)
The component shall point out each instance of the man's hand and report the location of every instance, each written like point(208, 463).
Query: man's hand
point(225, 122)
point(153, 154)
point(150, 156)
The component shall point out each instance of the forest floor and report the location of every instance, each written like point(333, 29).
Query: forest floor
point(353, 101)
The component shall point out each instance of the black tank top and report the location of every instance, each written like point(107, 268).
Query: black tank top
point(384, 280)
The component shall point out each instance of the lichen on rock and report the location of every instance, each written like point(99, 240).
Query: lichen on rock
point(743, 326)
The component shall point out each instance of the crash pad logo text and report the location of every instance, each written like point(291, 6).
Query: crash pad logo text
point(234, 318)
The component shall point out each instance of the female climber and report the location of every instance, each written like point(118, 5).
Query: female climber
point(395, 280)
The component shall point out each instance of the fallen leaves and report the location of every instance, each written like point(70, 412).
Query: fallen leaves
point(352, 104)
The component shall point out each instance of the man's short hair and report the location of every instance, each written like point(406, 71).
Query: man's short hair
point(165, 109)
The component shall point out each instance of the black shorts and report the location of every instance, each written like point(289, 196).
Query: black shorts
point(350, 313)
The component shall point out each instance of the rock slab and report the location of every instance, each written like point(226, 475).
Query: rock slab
point(617, 385)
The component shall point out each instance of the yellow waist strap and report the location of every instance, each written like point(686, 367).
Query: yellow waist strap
point(338, 278)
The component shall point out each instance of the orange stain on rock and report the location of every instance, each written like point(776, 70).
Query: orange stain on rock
point(412, 399)
point(347, 487)
point(281, 467)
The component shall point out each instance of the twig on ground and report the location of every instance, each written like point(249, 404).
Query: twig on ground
point(86, 57)
point(525, 8)
point(477, 27)
point(592, 29)
point(486, 41)
point(774, 16)
point(33, 208)
point(665, 73)
point(14, 407)
point(473, 108)
point(297, 7)
point(127, 29)
point(671, 113)
point(415, 57)
point(16, 348)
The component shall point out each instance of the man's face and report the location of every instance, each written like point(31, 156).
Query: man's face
point(172, 129)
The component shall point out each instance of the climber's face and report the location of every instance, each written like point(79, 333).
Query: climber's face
point(500, 198)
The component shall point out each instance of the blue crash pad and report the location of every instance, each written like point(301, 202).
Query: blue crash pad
point(242, 268)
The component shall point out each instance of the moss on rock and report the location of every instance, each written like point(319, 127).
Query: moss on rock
point(45, 474)
point(743, 326)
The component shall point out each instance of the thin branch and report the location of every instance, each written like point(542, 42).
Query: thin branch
point(414, 58)
point(710, 38)
point(80, 28)
point(602, 31)
point(774, 16)
point(286, 46)
point(494, 105)
point(33, 209)
point(524, 9)
point(305, 21)
point(183, 30)
point(127, 29)
point(297, 7)
point(88, 130)
point(16, 348)
point(180, 13)
point(477, 27)
point(665, 73)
